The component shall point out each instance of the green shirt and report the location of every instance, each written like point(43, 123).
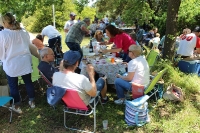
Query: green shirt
point(75, 34)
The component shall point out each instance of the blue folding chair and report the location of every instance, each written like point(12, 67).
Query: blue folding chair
point(3, 101)
point(189, 66)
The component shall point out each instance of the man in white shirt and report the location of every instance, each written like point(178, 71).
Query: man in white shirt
point(54, 36)
point(68, 79)
point(106, 20)
point(188, 42)
point(70, 22)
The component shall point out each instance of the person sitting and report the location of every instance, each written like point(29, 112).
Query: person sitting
point(98, 36)
point(138, 72)
point(68, 79)
point(38, 42)
point(45, 66)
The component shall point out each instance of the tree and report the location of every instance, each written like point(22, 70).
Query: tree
point(171, 28)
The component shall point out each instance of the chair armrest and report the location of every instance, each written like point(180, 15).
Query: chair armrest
point(93, 98)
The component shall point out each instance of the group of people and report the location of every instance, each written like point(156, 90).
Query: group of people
point(15, 49)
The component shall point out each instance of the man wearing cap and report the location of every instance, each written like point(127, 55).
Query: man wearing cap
point(188, 43)
point(70, 22)
point(68, 79)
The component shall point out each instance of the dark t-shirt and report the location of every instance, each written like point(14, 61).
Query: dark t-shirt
point(47, 69)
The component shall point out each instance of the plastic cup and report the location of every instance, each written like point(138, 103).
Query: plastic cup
point(112, 60)
point(105, 124)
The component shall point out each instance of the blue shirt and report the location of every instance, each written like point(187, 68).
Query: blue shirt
point(47, 69)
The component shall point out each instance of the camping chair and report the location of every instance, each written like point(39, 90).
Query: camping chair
point(189, 67)
point(152, 58)
point(75, 105)
point(3, 101)
point(49, 84)
point(151, 89)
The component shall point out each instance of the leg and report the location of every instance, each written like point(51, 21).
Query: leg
point(29, 86)
point(102, 86)
point(121, 86)
point(14, 92)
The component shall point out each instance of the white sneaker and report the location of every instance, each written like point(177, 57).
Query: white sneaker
point(119, 101)
point(18, 110)
point(32, 105)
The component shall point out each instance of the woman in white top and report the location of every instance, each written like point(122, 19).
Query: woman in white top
point(16, 58)
point(138, 72)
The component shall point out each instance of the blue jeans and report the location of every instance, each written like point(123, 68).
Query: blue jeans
point(53, 41)
point(75, 47)
point(100, 84)
point(121, 86)
point(14, 92)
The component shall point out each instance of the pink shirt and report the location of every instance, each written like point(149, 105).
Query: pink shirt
point(122, 41)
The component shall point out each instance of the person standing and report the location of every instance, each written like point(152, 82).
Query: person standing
point(70, 22)
point(16, 58)
point(76, 34)
point(106, 20)
point(54, 36)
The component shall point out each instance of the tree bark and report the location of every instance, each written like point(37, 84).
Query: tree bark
point(171, 29)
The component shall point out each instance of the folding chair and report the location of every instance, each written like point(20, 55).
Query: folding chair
point(49, 84)
point(189, 66)
point(152, 58)
point(3, 101)
point(75, 105)
point(151, 89)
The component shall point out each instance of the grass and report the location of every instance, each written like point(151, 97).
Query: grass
point(166, 116)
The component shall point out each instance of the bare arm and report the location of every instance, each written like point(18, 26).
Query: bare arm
point(112, 50)
point(66, 30)
point(83, 28)
point(129, 77)
point(90, 70)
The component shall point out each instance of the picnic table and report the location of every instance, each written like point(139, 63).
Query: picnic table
point(104, 66)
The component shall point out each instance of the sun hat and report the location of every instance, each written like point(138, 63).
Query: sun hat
point(71, 57)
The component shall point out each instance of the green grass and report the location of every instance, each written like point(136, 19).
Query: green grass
point(166, 116)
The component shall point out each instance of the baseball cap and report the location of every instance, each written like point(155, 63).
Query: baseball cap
point(72, 14)
point(71, 57)
point(197, 29)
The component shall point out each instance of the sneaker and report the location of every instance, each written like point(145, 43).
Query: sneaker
point(119, 101)
point(104, 101)
point(32, 105)
point(18, 110)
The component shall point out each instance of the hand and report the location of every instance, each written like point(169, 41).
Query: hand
point(90, 70)
point(105, 51)
point(118, 75)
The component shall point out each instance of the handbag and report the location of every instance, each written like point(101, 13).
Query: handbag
point(173, 93)
point(136, 115)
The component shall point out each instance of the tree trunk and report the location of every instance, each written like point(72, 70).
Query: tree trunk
point(171, 29)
